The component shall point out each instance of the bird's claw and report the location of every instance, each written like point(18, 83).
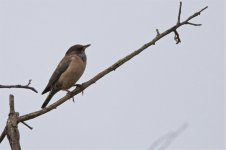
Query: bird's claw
point(69, 92)
point(80, 87)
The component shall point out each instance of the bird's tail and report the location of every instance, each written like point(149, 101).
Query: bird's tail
point(51, 94)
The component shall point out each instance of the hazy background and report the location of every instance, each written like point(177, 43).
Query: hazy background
point(164, 87)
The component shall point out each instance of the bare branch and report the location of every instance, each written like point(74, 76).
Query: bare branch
point(179, 13)
point(3, 135)
point(27, 125)
point(11, 104)
point(20, 86)
point(12, 131)
point(177, 37)
point(113, 67)
point(195, 14)
point(157, 31)
point(164, 141)
point(193, 24)
point(29, 82)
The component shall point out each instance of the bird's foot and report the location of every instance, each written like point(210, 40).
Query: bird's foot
point(69, 92)
point(80, 87)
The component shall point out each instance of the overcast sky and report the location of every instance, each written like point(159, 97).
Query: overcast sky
point(165, 87)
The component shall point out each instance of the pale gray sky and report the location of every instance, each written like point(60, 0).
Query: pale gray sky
point(161, 89)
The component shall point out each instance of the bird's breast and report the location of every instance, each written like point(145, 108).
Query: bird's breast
point(72, 73)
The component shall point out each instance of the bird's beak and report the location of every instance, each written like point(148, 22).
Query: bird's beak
point(85, 46)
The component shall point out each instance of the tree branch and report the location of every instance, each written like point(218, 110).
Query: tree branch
point(113, 67)
point(194, 24)
point(179, 13)
point(20, 86)
point(195, 14)
point(177, 37)
point(163, 142)
point(12, 131)
point(24, 123)
point(3, 135)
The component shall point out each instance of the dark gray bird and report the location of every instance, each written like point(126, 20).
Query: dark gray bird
point(68, 71)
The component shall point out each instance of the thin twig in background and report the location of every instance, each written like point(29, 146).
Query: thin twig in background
point(20, 86)
point(163, 142)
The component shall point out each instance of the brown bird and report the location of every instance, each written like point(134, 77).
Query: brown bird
point(68, 71)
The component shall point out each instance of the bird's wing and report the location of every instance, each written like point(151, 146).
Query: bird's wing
point(63, 65)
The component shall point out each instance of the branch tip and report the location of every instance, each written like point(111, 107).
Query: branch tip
point(11, 104)
point(157, 31)
point(179, 13)
point(20, 86)
point(177, 37)
point(29, 82)
point(24, 123)
point(194, 24)
point(203, 9)
point(3, 135)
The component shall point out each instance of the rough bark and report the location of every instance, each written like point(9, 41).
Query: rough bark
point(12, 131)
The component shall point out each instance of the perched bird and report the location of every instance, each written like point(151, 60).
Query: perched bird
point(68, 71)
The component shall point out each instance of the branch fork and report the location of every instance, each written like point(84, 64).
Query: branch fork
point(20, 86)
point(179, 23)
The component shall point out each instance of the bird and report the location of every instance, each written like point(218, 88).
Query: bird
point(67, 72)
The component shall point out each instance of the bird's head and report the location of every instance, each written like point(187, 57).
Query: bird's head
point(77, 49)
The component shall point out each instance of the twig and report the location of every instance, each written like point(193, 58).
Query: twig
point(3, 135)
point(157, 31)
point(11, 104)
point(194, 15)
point(194, 24)
point(164, 141)
point(27, 125)
point(177, 37)
point(107, 70)
point(179, 13)
point(20, 86)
